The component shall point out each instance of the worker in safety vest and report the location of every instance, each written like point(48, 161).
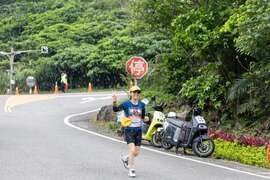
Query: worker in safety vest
point(64, 81)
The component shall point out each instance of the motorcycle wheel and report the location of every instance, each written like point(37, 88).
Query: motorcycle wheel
point(166, 145)
point(156, 140)
point(203, 148)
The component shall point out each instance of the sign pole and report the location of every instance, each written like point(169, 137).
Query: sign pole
point(135, 82)
point(11, 59)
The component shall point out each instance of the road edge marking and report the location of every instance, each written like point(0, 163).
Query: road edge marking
point(67, 119)
point(88, 95)
point(7, 107)
point(88, 98)
point(14, 100)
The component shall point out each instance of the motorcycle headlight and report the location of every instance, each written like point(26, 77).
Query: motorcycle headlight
point(159, 129)
point(202, 126)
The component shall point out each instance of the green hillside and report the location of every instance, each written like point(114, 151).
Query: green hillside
point(90, 40)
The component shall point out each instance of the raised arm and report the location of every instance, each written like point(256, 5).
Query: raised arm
point(115, 106)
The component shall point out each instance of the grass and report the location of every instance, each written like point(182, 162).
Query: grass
point(109, 126)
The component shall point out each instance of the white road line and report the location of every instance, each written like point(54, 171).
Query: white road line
point(7, 108)
point(83, 102)
point(104, 98)
point(91, 99)
point(66, 121)
point(89, 95)
point(86, 100)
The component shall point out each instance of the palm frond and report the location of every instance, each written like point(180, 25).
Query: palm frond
point(249, 106)
point(239, 89)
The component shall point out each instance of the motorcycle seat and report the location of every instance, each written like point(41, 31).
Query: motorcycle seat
point(179, 122)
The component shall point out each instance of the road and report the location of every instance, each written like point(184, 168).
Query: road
point(36, 144)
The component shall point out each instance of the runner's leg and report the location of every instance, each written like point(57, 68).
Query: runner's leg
point(131, 147)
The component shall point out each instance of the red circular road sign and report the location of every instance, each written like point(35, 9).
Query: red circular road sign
point(137, 67)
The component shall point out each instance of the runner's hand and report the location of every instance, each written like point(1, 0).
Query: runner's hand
point(114, 98)
point(146, 119)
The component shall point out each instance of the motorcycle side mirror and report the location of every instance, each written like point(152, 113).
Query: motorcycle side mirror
point(145, 101)
point(153, 98)
point(197, 111)
point(164, 105)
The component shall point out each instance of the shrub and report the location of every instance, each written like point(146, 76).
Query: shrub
point(242, 140)
point(113, 125)
point(234, 151)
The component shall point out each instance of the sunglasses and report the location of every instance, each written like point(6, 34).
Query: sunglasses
point(136, 92)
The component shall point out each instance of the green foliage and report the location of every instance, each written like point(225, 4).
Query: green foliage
point(45, 73)
point(214, 53)
point(90, 40)
point(251, 24)
point(236, 152)
point(220, 55)
point(205, 87)
point(112, 125)
point(3, 82)
point(252, 93)
point(161, 96)
point(192, 32)
point(159, 13)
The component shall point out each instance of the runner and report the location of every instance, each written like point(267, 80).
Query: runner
point(135, 110)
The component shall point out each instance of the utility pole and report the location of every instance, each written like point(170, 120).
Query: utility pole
point(11, 56)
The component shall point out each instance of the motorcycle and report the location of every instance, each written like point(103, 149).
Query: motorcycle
point(193, 135)
point(150, 131)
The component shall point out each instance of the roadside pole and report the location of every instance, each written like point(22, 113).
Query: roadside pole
point(11, 56)
point(11, 62)
point(135, 82)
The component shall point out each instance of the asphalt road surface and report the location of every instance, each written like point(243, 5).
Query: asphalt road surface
point(36, 144)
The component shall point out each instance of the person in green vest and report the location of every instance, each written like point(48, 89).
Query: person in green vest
point(64, 81)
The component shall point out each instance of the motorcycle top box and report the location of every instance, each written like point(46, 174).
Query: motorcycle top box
point(177, 131)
